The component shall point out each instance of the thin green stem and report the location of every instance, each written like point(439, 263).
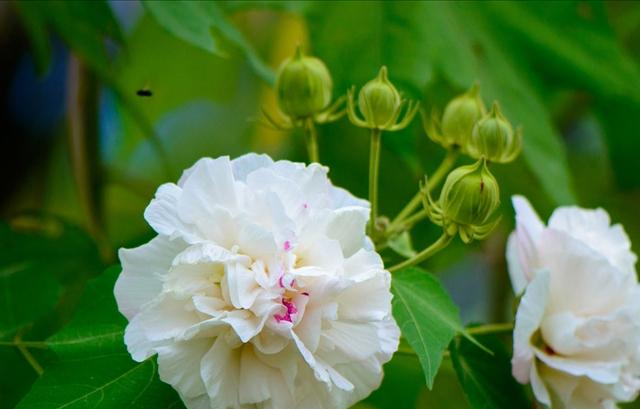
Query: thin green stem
point(490, 329)
point(406, 211)
point(22, 347)
point(28, 344)
point(442, 170)
point(311, 136)
point(82, 98)
point(374, 165)
point(30, 359)
point(407, 223)
point(438, 245)
point(411, 352)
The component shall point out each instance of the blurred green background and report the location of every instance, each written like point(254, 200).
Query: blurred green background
point(81, 154)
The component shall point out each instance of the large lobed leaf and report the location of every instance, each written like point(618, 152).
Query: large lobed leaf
point(426, 315)
point(94, 369)
point(486, 379)
point(39, 256)
point(43, 263)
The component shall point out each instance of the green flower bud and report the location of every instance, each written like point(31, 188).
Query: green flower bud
point(381, 105)
point(303, 86)
point(460, 116)
point(379, 101)
point(494, 139)
point(468, 199)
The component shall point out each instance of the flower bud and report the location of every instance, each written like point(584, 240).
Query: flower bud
point(469, 197)
point(460, 115)
point(494, 139)
point(379, 101)
point(303, 86)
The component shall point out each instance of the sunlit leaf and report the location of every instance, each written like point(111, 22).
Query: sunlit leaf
point(426, 315)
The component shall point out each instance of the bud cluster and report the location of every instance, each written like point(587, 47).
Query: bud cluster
point(467, 126)
point(470, 195)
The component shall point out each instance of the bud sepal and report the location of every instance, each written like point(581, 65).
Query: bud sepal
point(380, 105)
point(454, 127)
point(494, 139)
point(303, 92)
point(467, 202)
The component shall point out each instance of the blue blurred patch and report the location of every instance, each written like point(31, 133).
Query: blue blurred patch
point(37, 104)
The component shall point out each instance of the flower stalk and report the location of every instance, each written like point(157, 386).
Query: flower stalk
point(425, 254)
point(374, 165)
point(311, 136)
point(491, 329)
point(442, 170)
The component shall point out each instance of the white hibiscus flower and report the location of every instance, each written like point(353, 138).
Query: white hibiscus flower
point(261, 289)
point(577, 333)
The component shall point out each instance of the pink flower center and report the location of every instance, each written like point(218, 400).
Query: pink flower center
point(291, 310)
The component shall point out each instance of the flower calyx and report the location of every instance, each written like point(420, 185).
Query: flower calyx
point(468, 199)
point(453, 130)
point(303, 91)
point(381, 105)
point(494, 139)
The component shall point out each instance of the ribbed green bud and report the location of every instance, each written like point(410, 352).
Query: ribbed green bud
point(379, 101)
point(470, 196)
point(460, 115)
point(303, 86)
point(494, 139)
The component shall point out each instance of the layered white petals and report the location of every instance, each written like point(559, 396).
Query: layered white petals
point(578, 323)
point(261, 289)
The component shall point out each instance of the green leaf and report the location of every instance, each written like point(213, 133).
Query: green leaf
point(486, 380)
point(402, 245)
point(43, 264)
point(586, 53)
point(38, 256)
point(426, 315)
point(94, 369)
point(194, 21)
point(84, 26)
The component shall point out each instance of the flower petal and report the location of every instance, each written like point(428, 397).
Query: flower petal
point(593, 228)
point(142, 271)
point(248, 163)
point(179, 366)
point(528, 320)
point(220, 371)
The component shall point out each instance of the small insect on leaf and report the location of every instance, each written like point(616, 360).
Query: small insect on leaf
point(144, 92)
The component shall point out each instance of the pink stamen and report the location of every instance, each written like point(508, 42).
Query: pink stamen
point(291, 309)
point(287, 245)
point(306, 206)
point(283, 285)
point(285, 317)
